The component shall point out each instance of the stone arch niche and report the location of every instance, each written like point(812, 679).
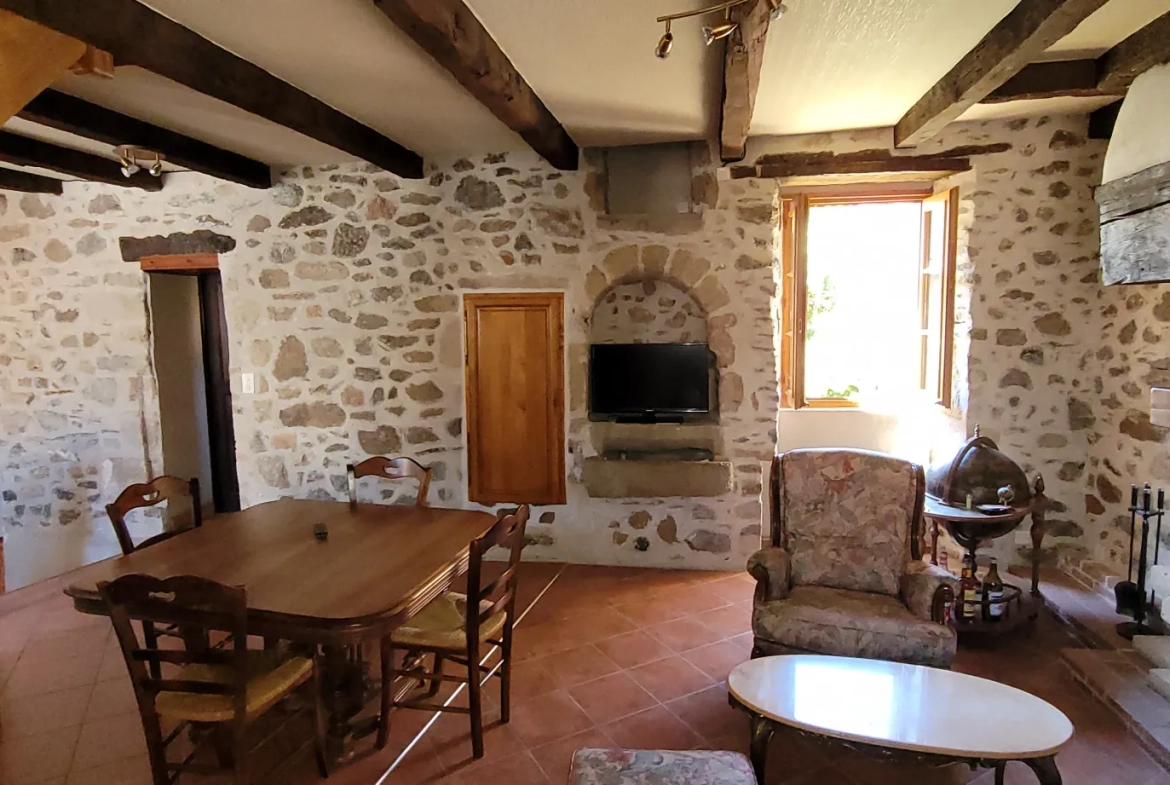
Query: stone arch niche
point(652, 310)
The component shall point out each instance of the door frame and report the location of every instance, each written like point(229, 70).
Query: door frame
point(221, 436)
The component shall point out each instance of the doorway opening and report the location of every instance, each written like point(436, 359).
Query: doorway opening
point(189, 329)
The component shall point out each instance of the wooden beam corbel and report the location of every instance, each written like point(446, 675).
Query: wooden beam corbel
point(453, 36)
point(32, 57)
point(1019, 38)
point(742, 61)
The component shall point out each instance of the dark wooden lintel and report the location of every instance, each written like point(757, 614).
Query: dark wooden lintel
point(75, 116)
point(872, 161)
point(12, 180)
point(25, 151)
point(1136, 193)
point(136, 35)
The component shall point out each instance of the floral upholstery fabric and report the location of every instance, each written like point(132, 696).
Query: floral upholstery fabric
point(772, 569)
point(660, 767)
point(846, 517)
point(919, 584)
point(847, 623)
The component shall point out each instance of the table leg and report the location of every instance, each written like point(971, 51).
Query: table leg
point(344, 695)
point(761, 730)
point(999, 772)
point(1045, 770)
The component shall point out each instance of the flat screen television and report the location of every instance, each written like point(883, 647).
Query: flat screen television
point(648, 381)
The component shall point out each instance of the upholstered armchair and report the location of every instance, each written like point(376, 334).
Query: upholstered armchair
point(845, 574)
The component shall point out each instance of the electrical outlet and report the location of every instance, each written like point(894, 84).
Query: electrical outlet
point(248, 383)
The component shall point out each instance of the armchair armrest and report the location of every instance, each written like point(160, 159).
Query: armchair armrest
point(927, 589)
point(772, 569)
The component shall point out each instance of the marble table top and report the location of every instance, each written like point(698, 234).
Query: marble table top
point(901, 706)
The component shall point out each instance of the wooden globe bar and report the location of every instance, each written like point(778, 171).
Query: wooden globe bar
point(982, 494)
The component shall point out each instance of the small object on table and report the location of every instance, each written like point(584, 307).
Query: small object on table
point(968, 590)
point(903, 718)
point(321, 531)
point(994, 608)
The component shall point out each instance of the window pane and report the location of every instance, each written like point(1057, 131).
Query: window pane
point(863, 326)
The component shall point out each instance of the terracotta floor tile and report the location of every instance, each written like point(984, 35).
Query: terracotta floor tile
point(670, 678)
point(570, 668)
point(727, 621)
point(709, 714)
point(452, 742)
point(653, 729)
point(610, 697)
point(716, 660)
point(127, 771)
point(634, 648)
point(548, 718)
point(696, 599)
point(683, 634)
point(519, 769)
point(109, 739)
point(111, 698)
point(554, 759)
point(531, 680)
point(25, 760)
point(67, 645)
point(37, 677)
point(652, 611)
point(733, 589)
point(29, 714)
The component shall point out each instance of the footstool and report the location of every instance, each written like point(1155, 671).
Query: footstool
point(660, 767)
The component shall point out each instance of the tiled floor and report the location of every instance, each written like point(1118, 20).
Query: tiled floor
point(608, 657)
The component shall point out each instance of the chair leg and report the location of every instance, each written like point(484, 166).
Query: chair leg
point(473, 701)
point(319, 722)
point(433, 688)
point(506, 673)
point(386, 654)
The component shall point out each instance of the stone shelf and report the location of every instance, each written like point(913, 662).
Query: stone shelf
point(616, 479)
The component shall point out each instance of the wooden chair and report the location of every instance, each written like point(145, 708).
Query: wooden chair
point(148, 494)
point(445, 629)
point(390, 469)
point(224, 691)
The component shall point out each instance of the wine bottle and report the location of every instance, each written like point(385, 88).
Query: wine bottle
point(993, 594)
point(969, 591)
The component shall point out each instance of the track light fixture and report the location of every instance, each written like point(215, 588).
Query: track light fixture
point(131, 157)
point(711, 33)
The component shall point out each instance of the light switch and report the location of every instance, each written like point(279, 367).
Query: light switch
point(248, 383)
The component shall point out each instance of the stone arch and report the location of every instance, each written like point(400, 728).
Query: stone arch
point(681, 268)
point(650, 310)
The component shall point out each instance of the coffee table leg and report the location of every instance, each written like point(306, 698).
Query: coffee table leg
point(762, 729)
point(1045, 769)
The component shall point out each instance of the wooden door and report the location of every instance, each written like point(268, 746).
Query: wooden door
point(515, 397)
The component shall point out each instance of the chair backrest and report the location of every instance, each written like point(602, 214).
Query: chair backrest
point(148, 494)
point(850, 519)
point(390, 469)
point(195, 605)
point(497, 595)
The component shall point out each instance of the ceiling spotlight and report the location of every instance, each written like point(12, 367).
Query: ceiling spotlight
point(156, 167)
point(129, 168)
point(718, 32)
point(662, 51)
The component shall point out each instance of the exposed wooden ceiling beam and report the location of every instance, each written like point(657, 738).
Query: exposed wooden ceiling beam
point(32, 57)
point(66, 113)
point(11, 180)
point(1020, 37)
point(873, 161)
point(1143, 50)
point(23, 151)
point(450, 33)
point(136, 35)
point(1076, 78)
point(1102, 121)
point(741, 76)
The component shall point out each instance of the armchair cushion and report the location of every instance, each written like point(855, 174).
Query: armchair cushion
point(852, 624)
point(847, 517)
point(772, 569)
point(919, 585)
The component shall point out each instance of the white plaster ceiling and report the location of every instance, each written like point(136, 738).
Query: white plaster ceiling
point(350, 56)
point(592, 63)
point(1050, 106)
point(1110, 25)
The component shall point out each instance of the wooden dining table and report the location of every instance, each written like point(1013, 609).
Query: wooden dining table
point(376, 567)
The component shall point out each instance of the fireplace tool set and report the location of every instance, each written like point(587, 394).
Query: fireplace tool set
point(1132, 598)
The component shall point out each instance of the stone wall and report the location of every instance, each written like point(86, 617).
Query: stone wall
point(343, 297)
point(648, 311)
point(1050, 363)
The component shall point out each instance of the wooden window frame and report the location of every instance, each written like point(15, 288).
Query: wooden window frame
point(794, 213)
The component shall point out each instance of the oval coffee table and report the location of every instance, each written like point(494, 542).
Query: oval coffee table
point(899, 712)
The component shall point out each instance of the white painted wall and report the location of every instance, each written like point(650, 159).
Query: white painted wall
point(178, 362)
point(1140, 139)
